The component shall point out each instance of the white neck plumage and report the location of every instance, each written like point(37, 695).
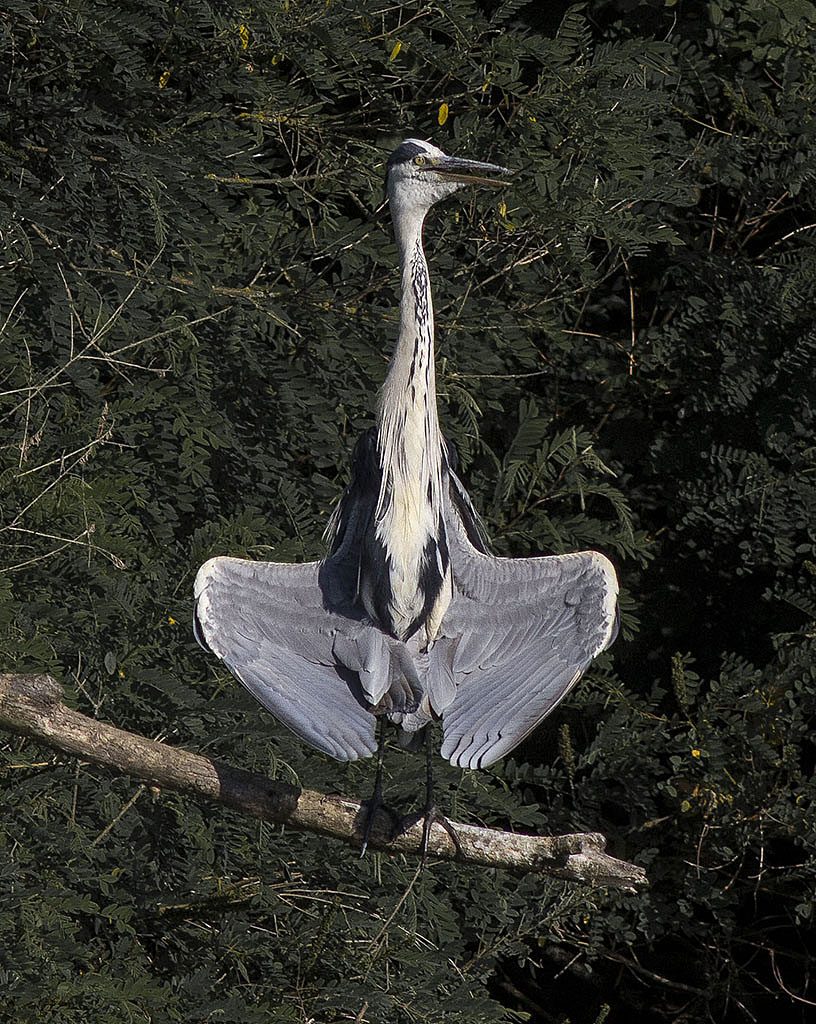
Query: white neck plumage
point(409, 506)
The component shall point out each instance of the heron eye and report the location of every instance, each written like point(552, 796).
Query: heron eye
point(420, 160)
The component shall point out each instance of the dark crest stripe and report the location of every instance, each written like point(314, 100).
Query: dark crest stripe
point(403, 153)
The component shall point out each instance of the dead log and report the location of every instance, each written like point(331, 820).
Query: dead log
point(32, 705)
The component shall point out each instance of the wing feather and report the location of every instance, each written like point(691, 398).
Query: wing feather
point(275, 629)
point(528, 630)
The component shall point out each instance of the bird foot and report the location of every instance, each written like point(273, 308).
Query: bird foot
point(429, 817)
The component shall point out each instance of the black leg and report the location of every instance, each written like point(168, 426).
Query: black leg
point(376, 802)
point(432, 815)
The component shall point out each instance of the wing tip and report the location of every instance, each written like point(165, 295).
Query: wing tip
point(201, 603)
point(202, 623)
point(345, 753)
point(605, 567)
point(477, 752)
point(610, 598)
point(607, 577)
point(204, 576)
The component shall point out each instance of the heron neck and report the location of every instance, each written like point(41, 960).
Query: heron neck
point(409, 391)
point(410, 587)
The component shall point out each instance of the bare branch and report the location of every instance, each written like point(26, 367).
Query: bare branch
point(32, 706)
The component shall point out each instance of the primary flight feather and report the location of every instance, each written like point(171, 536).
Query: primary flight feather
point(409, 616)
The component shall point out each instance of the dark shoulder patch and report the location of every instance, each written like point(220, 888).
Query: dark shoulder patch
point(359, 499)
point(471, 520)
point(403, 153)
point(365, 462)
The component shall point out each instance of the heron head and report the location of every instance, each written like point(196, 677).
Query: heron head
point(419, 175)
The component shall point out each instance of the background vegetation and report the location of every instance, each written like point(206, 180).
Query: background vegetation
point(197, 304)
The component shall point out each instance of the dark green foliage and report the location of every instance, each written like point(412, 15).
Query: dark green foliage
point(197, 304)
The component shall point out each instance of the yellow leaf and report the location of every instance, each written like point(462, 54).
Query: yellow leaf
point(243, 32)
point(165, 78)
point(171, 620)
point(503, 208)
point(442, 116)
point(396, 50)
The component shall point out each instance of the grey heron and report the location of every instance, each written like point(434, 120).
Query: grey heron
point(409, 617)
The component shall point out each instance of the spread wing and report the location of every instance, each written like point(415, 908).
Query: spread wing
point(527, 628)
point(296, 638)
point(268, 623)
